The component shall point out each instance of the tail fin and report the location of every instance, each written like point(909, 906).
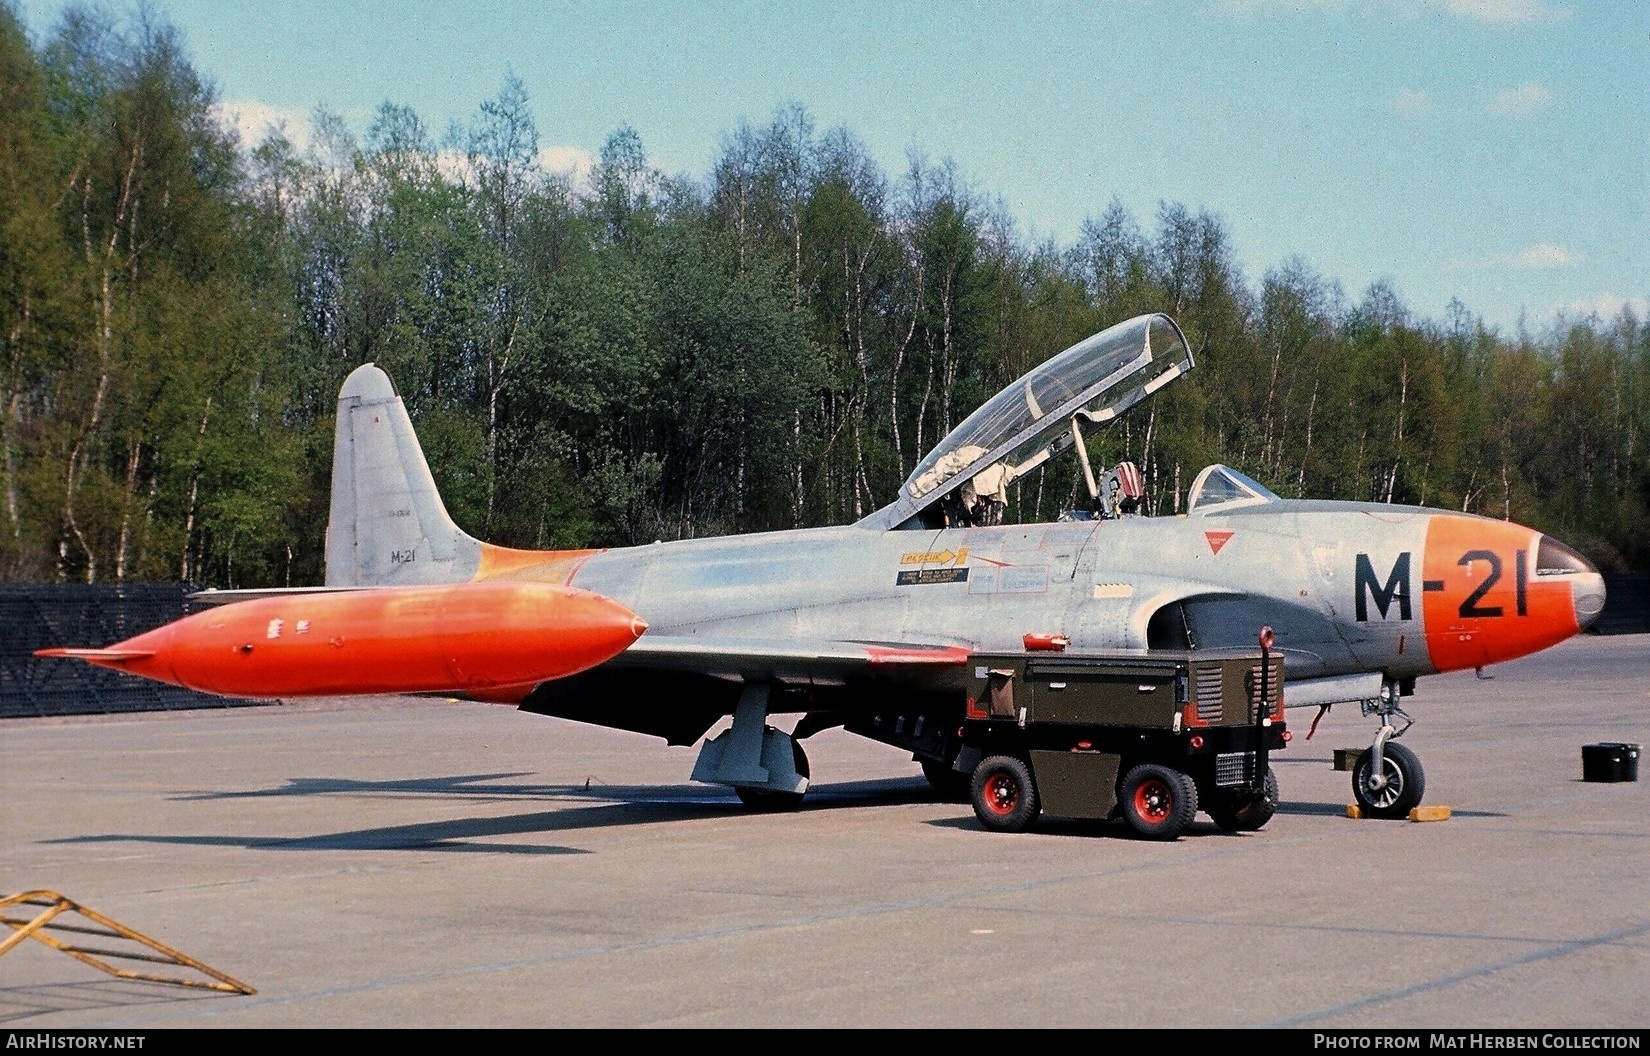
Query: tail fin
point(388, 524)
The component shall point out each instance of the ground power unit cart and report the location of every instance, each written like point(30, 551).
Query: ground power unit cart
point(1148, 737)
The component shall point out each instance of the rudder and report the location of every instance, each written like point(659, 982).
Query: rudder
point(387, 523)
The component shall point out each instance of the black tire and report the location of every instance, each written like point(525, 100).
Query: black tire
point(1158, 802)
point(766, 800)
point(950, 784)
point(1003, 794)
point(1405, 784)
point(1244, 811)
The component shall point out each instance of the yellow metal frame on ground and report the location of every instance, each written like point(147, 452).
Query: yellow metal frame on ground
point(45, 924)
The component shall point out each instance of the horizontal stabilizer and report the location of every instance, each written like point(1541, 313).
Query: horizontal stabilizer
point(214, 596)
point(111, 654)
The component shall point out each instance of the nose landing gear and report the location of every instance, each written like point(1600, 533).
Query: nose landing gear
point(1387, 780)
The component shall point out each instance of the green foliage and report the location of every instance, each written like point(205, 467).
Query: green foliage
point(635, 357)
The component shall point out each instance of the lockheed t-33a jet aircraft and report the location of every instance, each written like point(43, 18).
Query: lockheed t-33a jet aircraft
point(881, 626)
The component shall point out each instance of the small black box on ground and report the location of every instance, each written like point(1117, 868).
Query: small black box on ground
point(1612, 761)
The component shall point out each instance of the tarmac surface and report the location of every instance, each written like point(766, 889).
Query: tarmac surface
point(394, 863)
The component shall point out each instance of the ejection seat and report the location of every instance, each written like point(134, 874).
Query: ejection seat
point(1121, 490)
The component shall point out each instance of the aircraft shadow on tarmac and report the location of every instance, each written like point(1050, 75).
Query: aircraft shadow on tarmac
point(616, 805)
point(608, 806)
point(485, 786)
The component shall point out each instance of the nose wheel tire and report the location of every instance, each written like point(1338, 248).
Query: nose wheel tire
point(1004, 797)
point(1157, 801)
point(1401, 786)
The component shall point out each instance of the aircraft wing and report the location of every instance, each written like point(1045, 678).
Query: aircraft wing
point(793, 662)
point(677, 687)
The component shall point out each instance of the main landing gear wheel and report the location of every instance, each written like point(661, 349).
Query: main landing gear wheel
point(1402, 785)
point(768, 801)
point(948, 783)
point(1004, 797)
point(1244, 811)
point(1158, 802)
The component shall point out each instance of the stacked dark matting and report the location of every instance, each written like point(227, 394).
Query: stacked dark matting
point(39, 617)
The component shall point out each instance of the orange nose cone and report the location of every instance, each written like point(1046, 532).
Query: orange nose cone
point(1494, 591)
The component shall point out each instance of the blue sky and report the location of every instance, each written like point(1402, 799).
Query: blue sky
point(1495, 151)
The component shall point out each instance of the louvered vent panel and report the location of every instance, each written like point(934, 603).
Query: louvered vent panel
point(1274, 684)
point(1209, 693)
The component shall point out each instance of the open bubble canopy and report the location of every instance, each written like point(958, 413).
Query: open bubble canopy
point(1028, 422)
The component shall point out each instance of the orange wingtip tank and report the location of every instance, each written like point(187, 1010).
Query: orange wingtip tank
point(438, 639)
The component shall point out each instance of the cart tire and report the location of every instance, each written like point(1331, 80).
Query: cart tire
point(1157, 801)
point(1405, 784)
point(1003, 794)
point(1244, 811)
point(950, 784)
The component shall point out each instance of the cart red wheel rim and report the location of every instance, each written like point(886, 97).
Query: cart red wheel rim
point(1002, 794)
point(1153, 800)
